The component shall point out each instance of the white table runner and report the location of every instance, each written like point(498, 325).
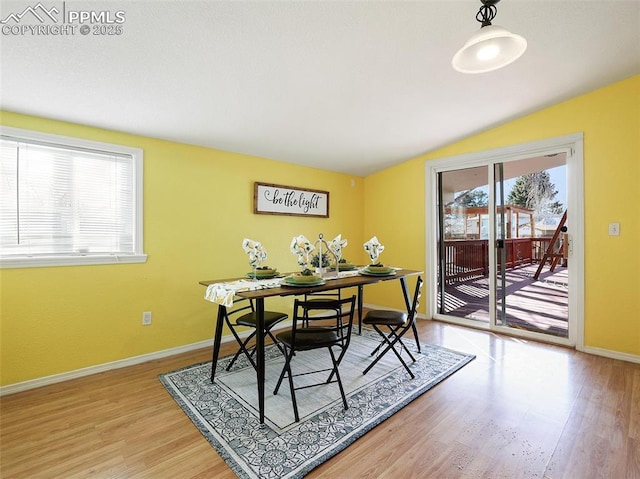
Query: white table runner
point(224, 293)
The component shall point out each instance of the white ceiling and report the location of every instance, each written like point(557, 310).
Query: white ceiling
point(459, 180)
point(345, 86)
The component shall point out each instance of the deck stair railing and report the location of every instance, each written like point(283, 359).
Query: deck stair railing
point(468, 259)
point(552, 252)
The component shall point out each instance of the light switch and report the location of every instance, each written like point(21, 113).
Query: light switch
point(614, 229)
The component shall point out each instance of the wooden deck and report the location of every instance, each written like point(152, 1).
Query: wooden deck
point(540, 306)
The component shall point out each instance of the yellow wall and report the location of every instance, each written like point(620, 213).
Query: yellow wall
point(610, 120)
point(198, 206)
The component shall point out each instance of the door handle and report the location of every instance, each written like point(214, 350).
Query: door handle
point(499, 244)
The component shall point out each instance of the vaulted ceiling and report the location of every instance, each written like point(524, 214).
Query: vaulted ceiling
point(349, 86)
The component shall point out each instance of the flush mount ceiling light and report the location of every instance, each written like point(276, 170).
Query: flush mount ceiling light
point(490, 48)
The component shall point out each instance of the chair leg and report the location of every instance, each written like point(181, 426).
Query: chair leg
point(293, 394)
point(287, 359)
point(253, 350)
point(393, 333)
point(275, 341)
point(379, 356)
point(390, 346)
point(415, 335)
point(287, 369)
point(402, 360)
point(377, 348)
point(246, 351)
point(339, 381)
point(235, 357)
point(386, 340)
point(342, 353)
point(243, 349)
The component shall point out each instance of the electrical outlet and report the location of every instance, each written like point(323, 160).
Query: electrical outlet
point(614, 229)
point(146, 318)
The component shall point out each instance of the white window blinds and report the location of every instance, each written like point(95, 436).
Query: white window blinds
point(65, 200)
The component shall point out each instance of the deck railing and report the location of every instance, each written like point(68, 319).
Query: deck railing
point(467, 259)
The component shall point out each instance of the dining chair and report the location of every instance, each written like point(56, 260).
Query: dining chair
point(317, 324)
point(243, 314)
point(395, 324)
point(323, 296)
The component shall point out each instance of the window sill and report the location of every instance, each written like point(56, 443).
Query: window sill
point(79, 260)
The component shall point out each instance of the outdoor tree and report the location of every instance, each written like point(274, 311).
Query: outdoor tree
point(473, 199)
point(455, 219)
point(536, 192)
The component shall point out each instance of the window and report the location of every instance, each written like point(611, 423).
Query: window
point(66, 201)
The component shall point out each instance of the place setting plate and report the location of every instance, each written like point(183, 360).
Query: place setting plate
point(263, 274)
point(346, 267)
point(291, 281)
point(377, 271)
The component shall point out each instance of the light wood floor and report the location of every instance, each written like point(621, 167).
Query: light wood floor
point(520, 410)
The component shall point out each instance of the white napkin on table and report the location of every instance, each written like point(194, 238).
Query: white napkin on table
point(346, 274)
point(301, 247)
point(223, 293)
point(374, 248)
point(255, 250)
point(336, 245)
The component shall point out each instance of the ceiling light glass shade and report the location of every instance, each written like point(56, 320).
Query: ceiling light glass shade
point(490, 48)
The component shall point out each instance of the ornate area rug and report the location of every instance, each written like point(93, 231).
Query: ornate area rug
point(226, 412)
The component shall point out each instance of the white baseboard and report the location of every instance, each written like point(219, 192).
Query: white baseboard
point(632, 358)
point(122, 363)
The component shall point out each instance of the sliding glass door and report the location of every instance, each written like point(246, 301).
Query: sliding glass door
point(532, 274)
point(463, 240)
point(501, 247)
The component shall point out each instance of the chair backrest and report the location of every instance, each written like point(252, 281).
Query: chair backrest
point(325, 314)
point(331, 294)
point(413, 312)
point(240, 307)
point(323, 296)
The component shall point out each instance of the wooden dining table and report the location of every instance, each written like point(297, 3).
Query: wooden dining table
point(358, 281)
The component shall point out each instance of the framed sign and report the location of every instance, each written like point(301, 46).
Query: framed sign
point(271, 199)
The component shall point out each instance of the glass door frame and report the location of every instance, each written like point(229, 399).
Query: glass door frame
point(496, 212)
point(572, 146)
